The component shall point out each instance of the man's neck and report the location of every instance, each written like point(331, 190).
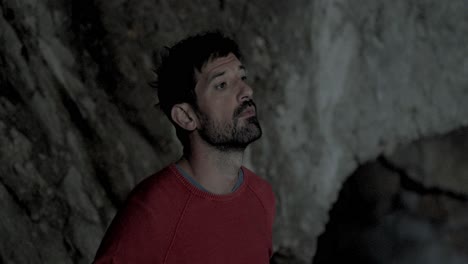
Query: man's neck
point(216, 170)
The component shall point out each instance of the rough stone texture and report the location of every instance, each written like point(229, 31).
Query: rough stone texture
point(438, 162)
point(337, 82)
point(384, 216)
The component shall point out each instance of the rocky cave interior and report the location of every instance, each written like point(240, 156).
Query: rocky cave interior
point(363, 108)
point(393, 210)
point(407, 207)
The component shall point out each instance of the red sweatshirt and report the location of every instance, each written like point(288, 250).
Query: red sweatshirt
point(168, 220)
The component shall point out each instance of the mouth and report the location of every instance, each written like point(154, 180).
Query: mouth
point(248, 112)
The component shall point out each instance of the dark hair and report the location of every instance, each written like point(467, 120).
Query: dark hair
point(176, 74)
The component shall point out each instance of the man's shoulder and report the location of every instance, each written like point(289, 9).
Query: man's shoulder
point(264, 193)
point(144, 225)
point(256, 180)
point(259, 185)
point(162, 183)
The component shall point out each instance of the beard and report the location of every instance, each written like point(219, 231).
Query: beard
point(234, 135)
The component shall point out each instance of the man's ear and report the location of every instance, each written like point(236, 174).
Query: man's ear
point(184, 116)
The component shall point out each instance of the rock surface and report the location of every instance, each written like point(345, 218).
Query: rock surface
point(403, 208)
point(336, 82)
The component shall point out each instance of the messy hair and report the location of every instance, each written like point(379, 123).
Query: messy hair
point(176, 78)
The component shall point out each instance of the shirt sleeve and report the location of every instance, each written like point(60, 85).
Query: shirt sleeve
point(133, 237)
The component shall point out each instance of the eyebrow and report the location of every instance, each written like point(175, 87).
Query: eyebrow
point(218, 74)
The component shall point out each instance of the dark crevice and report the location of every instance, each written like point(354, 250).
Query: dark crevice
point(15, 198)
point(221, 5)
point(73, 252)
point(101, 175)
point(379, 23)
point(21, 32)
point(25, 53)
point(92, 38)
point(75, 115)
point(8, 13)
point(409, 184)
point(351, 214)
point(90, 32)
point(9, 92)
point(371, 221)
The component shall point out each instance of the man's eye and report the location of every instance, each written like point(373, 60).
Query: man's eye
point(221, 85)
point(244, 78)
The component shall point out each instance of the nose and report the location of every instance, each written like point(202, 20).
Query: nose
point(246, 92)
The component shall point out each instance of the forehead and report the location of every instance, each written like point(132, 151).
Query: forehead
point(219, 63)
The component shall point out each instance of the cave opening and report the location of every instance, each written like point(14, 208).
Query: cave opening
point(383, 214)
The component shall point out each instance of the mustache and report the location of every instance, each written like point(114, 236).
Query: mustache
point(243, 106)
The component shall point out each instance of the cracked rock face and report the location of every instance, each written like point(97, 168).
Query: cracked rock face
point(437, 162)
point(390, 212)
point(336, 84)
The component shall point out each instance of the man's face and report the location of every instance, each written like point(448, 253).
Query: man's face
point(227, 113)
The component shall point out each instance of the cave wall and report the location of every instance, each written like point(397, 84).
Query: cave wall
point(336, 83)
point(408, 206)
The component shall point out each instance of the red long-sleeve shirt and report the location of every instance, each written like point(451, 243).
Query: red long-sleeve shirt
point(168, 220)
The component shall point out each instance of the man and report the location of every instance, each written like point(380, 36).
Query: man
point(205, 208)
